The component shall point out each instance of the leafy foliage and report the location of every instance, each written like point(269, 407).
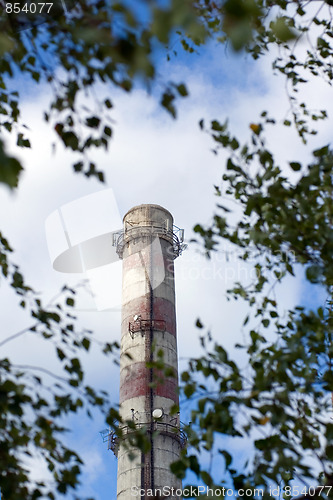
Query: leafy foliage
point(31, 405)
point(94, 43)
point(282, 226)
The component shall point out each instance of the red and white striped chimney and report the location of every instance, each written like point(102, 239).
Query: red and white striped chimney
point(148, 247)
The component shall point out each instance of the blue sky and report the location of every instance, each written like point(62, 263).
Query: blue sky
point(152, 159)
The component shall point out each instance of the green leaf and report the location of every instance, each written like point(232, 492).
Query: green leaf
point(217, 126)
point(60, 353)
point(93, 122)
point(22, 142)
point(318, 153)
point(314, 273)
point(207, 479)
point(194, 464)
point(70, 140)
point(167, 102)
point(329, 432)
point(227, 457)
point(78, 166)
point(295, 166)
point(182, 90)
point(107, 131)
point(10, 169)
point(86, 343)
point(189, 390)
point(281, 29)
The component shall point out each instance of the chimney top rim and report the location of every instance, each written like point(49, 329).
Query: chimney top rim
point(152, 205)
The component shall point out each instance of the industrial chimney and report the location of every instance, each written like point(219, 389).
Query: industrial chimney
point(148, 246)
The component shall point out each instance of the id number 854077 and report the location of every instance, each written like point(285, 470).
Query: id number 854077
point(28, 8)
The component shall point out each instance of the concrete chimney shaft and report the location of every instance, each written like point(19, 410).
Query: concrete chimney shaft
point(148, 248)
